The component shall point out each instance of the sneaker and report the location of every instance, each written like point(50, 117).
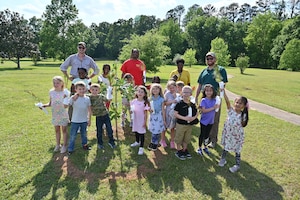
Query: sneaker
point(212, 145)
point(180, 155)
point(135, 144)
point(141, 151)
point(206, 141)
point(56, 149)
point(100, 146)
point(112, 145)
point(187, 154)
point(206, 151)
point(222, 162)
point(154, 147)
point(70, 152)
point(150, 147)
point(172, 145)
point(234, 168)
point(86, 147)
point(163, 143)
point(63, 149)
point(199, 151)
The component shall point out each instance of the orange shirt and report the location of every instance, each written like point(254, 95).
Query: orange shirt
point(136, 69)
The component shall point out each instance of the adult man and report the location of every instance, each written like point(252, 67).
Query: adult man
point(135, 67)
point(79, 60)
point(181, 74)
point(213, 74)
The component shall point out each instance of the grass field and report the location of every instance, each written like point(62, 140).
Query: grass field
point(30, 170)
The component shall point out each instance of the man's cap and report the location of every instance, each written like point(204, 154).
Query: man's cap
point(212, 54)
point(82, 43)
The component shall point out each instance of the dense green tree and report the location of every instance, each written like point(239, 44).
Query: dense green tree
point(58, 18)
point(176, 39)
point(259, 40)
point(290, 58)
point(220, 48)
point(119, 31)
point(193, 12)
point(290, 30)
point(153, 50)
point(144, 23)
point(101, 31)
point(16, 36)
point(189, 57)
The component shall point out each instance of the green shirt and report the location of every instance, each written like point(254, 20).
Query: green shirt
point(98, 105)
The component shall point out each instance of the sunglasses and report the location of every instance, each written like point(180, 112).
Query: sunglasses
point(209, 58)
point(81, 47)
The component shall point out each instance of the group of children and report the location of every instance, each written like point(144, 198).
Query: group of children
point(172, 108)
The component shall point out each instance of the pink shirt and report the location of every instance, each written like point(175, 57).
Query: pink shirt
point(139, 109)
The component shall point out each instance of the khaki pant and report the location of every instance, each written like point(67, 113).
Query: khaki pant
point(213, 135)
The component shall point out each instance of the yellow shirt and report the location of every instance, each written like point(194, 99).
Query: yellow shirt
point(183, 76)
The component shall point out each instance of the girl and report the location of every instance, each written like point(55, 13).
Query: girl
point(170, 98)
point(60, 117)
point(207, 108)
point(103, 78)
point(139, 107)
point(157, 121)
point(233, 132)
point(127, 91)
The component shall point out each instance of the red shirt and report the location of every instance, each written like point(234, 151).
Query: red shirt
point(136, 69)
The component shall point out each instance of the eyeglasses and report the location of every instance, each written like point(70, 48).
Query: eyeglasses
point(209, 58)
point(81, 47)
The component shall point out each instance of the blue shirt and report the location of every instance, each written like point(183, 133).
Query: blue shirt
point(157, 103)
point(207, 118)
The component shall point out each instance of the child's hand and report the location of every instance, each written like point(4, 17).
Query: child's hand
point(75, 96)
point(216, 106)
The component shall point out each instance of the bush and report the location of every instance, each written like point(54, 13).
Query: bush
point(290, 58)
point(242, 62)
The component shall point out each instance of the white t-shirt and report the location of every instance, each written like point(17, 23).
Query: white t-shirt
point(80, 109)
point(103, 80)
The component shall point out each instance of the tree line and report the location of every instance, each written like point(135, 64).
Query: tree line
point(267, 32)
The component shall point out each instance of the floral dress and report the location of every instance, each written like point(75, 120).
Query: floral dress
point(233, 132)
point(60, 115)
point(156, 122)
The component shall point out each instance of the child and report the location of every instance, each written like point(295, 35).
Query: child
point(83, 76)
point(81, 117)
point(186, 114)
point(207, 108)
point(179, 86)
point(99, 110)
point(156, 79)
point(233, 132)
point(170, 98)
point(139, 107)
point(103, 78)
point(126, 90)
point(60, 118)
point(157, 121)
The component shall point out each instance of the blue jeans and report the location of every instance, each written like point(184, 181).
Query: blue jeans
point(73, 134)
point(155, 138)
point(100, 120)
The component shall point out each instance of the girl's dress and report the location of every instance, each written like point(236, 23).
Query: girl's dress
point(169, 97)
point(233, 132)
point(139, 116)
point(156, 122)
point(60, 116)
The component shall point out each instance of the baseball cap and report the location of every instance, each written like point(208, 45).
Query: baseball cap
point(82, 43)
point(212, 54)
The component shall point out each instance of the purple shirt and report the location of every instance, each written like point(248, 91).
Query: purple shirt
point(207, 118)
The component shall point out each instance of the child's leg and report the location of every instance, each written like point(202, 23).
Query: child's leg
point(224, 153)
point(109, 129)
point(142, 138)
point(137, 137)
point(83, 133)
point(57, 135)
point(155, 139)
point(99, 124)
point(73, 134)
point(172, 133)
point(65, 135)
point(238, 159)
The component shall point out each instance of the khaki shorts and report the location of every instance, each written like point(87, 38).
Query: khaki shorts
point(183, 133)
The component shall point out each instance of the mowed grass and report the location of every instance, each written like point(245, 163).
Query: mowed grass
point(30, 169)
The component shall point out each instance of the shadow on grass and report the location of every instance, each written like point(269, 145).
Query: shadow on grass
point(15, 68)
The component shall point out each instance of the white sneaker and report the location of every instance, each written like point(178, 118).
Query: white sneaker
point(234, 169)
point(56, 149)
point(63, 149)
point(141, 151)
point(222, 162)
point(135, 144)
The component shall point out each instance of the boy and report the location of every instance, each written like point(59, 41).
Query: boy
point(99, 109)
point(81, 117)
point(186, 113)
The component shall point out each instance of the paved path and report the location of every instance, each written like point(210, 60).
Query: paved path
point(280, 114)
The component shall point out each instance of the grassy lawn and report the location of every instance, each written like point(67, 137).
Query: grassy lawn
point(30, 170)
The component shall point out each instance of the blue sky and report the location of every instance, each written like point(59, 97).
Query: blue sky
point(111, 10)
